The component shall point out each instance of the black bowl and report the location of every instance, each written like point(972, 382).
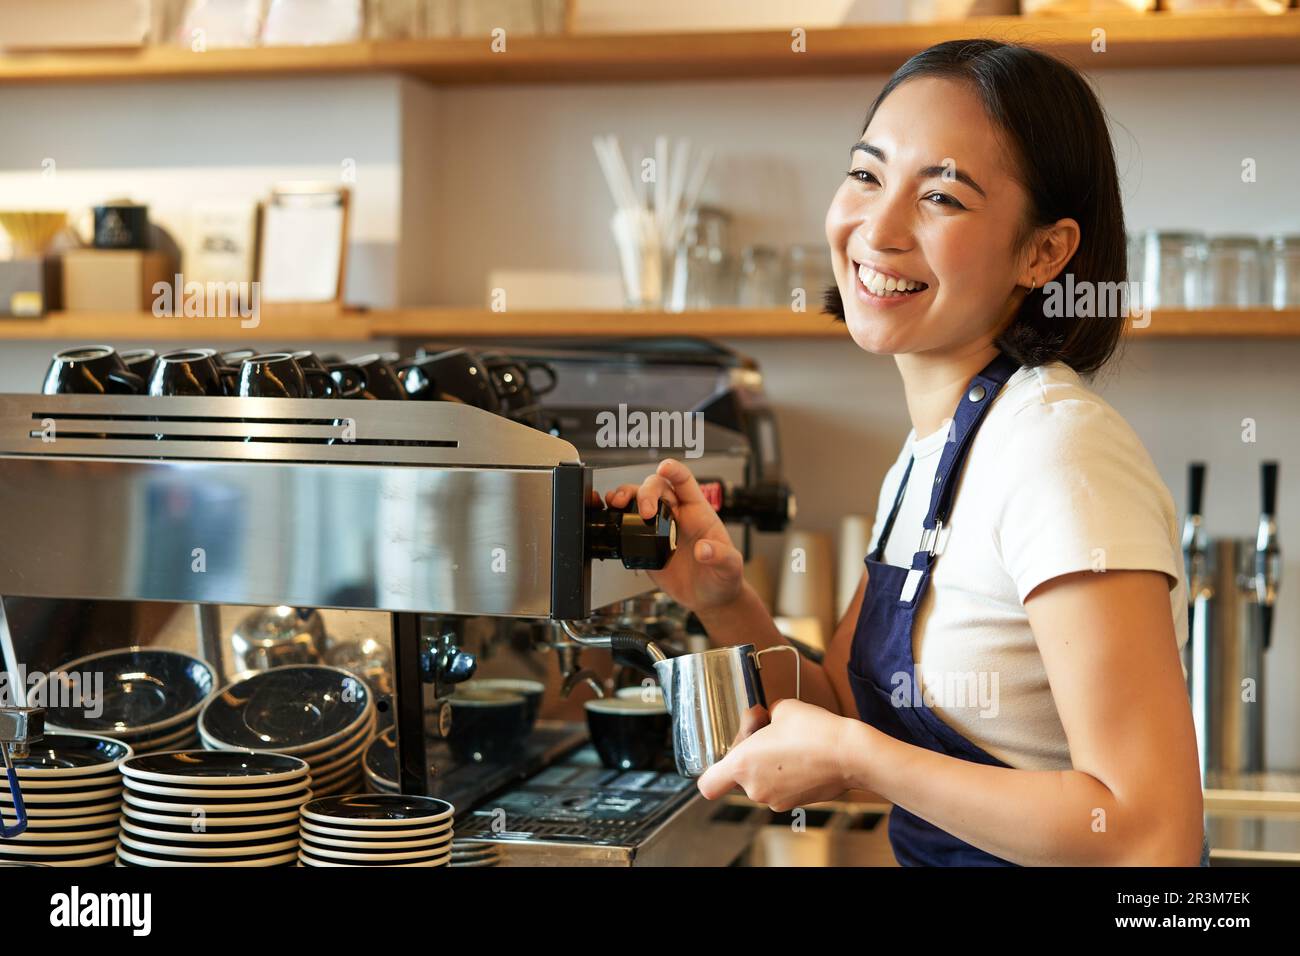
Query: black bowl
point(294, 707)
point(146, 690)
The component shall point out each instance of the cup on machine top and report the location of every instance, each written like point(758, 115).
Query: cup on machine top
point(90, 370)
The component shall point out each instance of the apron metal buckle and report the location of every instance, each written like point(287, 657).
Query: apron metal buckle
point(930, 538)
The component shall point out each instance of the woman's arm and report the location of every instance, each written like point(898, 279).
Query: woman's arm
point(1133, 796)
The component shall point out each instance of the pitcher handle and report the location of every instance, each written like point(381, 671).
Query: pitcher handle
point(798, 664)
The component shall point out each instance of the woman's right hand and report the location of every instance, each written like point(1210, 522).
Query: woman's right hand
point(707, 571)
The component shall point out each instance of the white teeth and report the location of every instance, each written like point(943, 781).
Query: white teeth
point(884, 285)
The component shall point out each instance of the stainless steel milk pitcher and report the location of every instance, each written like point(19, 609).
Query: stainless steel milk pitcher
point(716, 700)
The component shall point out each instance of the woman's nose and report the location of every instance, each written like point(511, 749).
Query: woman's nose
point(887, 224)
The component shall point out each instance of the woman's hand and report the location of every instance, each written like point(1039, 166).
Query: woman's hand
point(706, 572)
point(797, 759)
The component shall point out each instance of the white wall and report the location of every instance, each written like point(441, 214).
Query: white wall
point(493, 177)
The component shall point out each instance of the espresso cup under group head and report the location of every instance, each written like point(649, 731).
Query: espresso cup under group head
point(189, 372)
point(90, 370)
point(486, 725)
point(628, 732)
point(530, 690)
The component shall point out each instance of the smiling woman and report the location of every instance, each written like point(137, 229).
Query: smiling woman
point(1010, 181)
point(1008, 673)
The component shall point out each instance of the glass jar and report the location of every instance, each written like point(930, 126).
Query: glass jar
point(808, 268)
point(1234, 272)
point(1174, 270)
point(761, 279)
point(700, 263)
point(1284, 272)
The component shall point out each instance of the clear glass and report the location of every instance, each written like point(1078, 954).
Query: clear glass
point(701, 265)
point(761, 278)
point(1284, 272)
point(1174, 270)
point(1234, 272)
point(808, 273)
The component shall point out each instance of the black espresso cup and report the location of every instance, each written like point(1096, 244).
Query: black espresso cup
point(320, 383)
point(629, 733)
point(456, 375)
point(272, 375)
point(512, 380)
point(486, 725)
point(382, 381)
point(189, 372)
point(140, 361)
point(90, 370)
point(530, 690)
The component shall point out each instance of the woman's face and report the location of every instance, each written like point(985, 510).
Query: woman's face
point(929, 206)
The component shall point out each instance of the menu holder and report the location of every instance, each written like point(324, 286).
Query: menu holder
point(304, 243)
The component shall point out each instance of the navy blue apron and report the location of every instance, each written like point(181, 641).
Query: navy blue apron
point(881, 663)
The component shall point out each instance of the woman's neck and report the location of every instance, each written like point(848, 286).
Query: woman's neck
point(935, 382)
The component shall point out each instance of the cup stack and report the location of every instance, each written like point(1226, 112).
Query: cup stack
point(212, 808)
point(150, 697)
point(72, 792)
point(322, 715)
point(807, 579)
point(376, 830)
point(855, 539)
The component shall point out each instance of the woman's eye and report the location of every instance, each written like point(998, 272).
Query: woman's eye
point(943, 199)
point(863, 176)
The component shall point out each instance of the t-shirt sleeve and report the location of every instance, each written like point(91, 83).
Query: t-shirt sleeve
point(1080, 494)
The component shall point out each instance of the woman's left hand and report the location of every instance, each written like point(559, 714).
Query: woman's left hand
point(797, 759)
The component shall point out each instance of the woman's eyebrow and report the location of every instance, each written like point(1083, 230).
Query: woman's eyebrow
point(925, 172)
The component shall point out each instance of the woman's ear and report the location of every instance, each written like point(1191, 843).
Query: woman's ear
point(1051, 247)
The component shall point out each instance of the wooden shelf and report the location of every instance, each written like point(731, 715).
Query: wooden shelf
point(1163, 39)
point(287, 326)
point(281, 326)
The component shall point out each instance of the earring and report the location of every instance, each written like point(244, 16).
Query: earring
point(1033, 285)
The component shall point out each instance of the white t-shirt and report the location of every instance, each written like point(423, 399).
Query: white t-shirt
point(1056, 482)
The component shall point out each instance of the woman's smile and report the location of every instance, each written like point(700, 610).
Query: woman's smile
point(884, 288)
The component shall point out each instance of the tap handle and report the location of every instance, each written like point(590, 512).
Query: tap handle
point(9, 830)
point(1195, 487)
point(1268, 486)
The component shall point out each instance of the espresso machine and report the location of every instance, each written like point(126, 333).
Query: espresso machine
point(434, 513)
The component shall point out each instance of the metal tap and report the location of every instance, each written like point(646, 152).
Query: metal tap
point(19, 728)
point(1268, 557)
point(443, 662)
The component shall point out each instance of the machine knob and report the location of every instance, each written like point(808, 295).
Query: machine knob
point(442, 662)
point(642, 545)
point(767, 505)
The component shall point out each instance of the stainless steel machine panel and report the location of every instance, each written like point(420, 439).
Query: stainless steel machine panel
point(473, 541)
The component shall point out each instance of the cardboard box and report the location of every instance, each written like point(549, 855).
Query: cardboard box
point(113, 280)
point(30, 287)
point(73, 24)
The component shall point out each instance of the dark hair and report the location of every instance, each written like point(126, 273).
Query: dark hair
point(1056, 132)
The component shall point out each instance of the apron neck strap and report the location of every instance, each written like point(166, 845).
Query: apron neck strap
point(971, 409)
